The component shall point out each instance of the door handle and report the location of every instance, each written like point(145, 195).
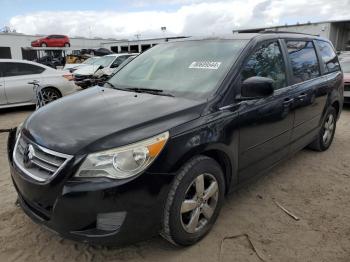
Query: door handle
point(302, 96)
point(288, 101)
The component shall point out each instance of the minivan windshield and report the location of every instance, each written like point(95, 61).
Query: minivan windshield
point(190, 69)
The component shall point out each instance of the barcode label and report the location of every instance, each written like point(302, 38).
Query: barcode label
point(205, 65)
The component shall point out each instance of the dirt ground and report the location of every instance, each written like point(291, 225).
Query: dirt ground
point(314, 186)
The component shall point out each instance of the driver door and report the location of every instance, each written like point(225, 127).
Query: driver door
point(17, 77)
point(265, 123)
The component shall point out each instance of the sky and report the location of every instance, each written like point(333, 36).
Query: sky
point(128, 18)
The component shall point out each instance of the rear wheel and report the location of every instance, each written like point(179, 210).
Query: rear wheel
point(194, 201)
point(326, 134)
point(50, 94)
point(67, 45)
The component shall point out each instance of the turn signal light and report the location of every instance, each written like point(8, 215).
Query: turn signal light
point(69, 77)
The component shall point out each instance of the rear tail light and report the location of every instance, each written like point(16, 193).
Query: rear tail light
point(69, 77)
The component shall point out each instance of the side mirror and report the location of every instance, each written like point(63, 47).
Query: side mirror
point(257, 87)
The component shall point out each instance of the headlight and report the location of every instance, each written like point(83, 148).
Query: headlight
point(19, 129)
point(123, 162)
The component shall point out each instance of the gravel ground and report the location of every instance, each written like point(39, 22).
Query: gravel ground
point(251, 227)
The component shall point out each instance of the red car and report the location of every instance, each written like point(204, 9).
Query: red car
point(52, 41)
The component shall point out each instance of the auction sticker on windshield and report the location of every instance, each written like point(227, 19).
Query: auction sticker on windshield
point(205, 65)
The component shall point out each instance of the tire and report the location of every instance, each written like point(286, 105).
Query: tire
point(43, 45)
point(50, 94)
point(325, 136)
point(67, 45)
point(183, 206)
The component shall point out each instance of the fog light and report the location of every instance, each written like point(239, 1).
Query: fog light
point(110, 221)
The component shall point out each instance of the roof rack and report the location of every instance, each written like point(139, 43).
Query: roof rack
point(283, 32)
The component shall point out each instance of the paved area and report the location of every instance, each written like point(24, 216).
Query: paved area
point(313, 186)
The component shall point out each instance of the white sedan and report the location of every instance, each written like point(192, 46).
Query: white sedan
point(15, 76)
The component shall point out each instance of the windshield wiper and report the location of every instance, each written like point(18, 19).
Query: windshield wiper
point(111, 85)
point(118, 88)
point(152, 91)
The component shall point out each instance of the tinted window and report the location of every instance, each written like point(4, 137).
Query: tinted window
point(329, 57)
point(304, 62)
point(267, 61)
point(56, 36)
point(17, 69)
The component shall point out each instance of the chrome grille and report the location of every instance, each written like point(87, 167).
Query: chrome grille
point(347, 87)
point(38, 162)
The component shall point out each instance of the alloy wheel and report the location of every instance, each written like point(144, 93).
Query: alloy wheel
point(49, 95)
point(328, 129)
point(200, 202)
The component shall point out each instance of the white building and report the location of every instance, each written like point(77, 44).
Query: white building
point(137, 46)
point(17, 46)
point(336, 31)
point(13, 45)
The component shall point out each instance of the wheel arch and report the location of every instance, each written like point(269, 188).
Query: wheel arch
point(55, 88)
point(336, 106)
point(217, 152)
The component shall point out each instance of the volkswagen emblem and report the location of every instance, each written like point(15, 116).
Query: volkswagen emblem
point(28, 156)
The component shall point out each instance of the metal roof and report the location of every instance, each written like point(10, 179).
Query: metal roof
point(248, 30)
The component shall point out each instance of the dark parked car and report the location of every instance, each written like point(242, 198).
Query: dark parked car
point(157, 149)
point(97, 52)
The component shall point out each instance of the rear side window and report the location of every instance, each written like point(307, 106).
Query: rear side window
point(329, 57)
point(268, 62)
point(18, 69)
point(304, 61)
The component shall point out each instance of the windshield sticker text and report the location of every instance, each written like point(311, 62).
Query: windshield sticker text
point(205, 65)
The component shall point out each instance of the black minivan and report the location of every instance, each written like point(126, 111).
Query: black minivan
point(160, 145)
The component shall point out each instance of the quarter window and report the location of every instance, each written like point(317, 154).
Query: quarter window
point(119, 61)
point(304, 62)
point(329, 57)
point(17, 69)
point(267, 61)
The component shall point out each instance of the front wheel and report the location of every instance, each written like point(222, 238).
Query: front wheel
point(326, 134)
point(43, 45)
point(49, 94)
point(194, 201)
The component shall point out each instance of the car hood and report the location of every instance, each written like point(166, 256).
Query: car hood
point(87, 70)
point(100, 118)
point(70, 66)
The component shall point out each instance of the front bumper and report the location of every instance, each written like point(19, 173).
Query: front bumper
point(346, 97)
point(83, 80)
point(97, 211)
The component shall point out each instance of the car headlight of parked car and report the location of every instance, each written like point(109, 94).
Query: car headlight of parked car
point(123, 162)
point(19, 129)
